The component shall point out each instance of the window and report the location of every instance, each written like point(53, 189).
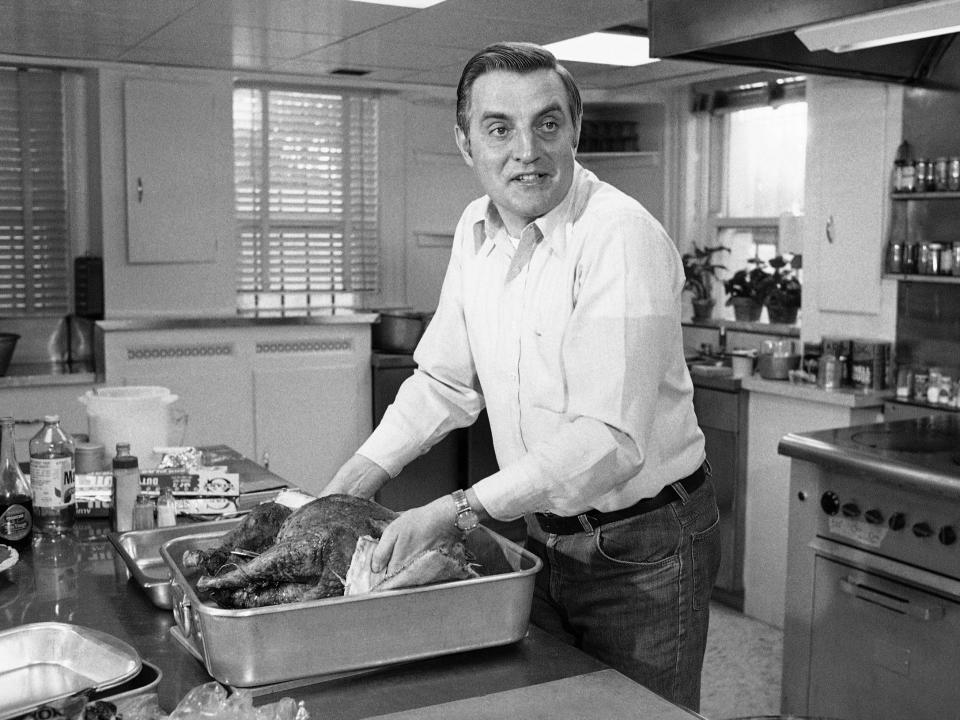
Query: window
point(35, 251)
point(306, 199)
point(754, 137)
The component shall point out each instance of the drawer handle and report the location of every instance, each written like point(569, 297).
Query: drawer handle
point(829, 230)
point(918, 611)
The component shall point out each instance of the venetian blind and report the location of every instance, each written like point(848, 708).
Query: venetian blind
point(306, 199)
point(34, 243)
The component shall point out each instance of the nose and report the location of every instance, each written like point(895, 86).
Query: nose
point(526, 145)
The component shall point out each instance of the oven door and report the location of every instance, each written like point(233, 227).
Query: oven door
point(881, 648)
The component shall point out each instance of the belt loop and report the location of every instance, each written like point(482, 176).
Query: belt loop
point(587, 527)
point(681, 491)
point(707, 468)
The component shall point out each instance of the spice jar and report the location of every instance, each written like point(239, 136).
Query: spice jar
point(144, 517)
point(940, 173)
point(946, 259)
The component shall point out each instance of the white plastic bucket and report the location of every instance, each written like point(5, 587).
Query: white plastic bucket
point(140, 415)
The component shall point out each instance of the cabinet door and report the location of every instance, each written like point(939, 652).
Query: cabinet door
point(309, 420)
point(170, 139)
point(846, 190)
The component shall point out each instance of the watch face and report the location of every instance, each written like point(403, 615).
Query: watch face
point(467, 520)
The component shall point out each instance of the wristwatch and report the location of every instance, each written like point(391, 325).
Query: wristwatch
point(467, 519)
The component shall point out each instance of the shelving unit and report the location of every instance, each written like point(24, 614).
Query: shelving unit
point(928, 216)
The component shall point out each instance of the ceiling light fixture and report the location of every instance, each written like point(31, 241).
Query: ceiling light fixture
point(404, 3)
point(605, 48)
point(885, 27)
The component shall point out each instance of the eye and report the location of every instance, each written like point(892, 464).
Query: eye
point(550, 126)
point(497, 131)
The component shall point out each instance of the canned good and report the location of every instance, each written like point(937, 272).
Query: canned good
point(911, 252)
point(933, 386)
point(945, 396)
point(920, 379)
point(953, 173)
point(904, 383)
point(895, 257)
point(922, 168)
point(956, 259)
point(940, 173)
point(946, 259)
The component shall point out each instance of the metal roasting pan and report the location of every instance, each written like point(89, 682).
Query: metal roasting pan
point(140, 551)
point(44, 662)
point(279, 643)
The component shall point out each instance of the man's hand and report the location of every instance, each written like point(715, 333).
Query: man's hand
point(417, 529)
point(358, 476)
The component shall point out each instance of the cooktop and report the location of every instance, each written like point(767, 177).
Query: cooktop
point(926, 445)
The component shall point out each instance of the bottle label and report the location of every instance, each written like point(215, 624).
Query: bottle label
point(15, 523)
point(52, 481)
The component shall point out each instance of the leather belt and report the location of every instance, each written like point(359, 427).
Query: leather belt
point(592, 519)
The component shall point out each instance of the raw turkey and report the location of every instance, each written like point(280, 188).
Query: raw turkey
point(311, 555)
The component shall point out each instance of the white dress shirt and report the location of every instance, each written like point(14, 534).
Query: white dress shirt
point(572, 341)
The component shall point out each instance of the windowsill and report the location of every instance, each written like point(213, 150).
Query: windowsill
point(760, 328)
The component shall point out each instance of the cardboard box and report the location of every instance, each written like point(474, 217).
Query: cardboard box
point(202, 482)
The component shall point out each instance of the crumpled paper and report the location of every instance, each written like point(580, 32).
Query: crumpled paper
point(441, 564)
point(211, 701)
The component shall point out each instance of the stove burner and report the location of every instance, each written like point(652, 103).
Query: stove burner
point(929, 440)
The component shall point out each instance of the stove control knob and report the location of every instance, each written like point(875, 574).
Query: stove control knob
point(897, 521)
point(850, 510)
point(830, 503)
point(947, 535)
point(922, 530)
point(874, 517)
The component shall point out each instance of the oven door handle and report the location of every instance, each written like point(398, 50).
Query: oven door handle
point(905, 606)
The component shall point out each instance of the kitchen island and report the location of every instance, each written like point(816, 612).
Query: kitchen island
point(83, 581)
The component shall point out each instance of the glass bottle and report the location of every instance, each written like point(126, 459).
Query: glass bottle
point(126, 488)
point(16, 500)
point(166, 508)
point(52, 478)
point(144, 513)
point(56, 572)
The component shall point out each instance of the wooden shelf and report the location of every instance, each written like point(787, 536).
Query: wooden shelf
point(932, 195)
point(949, 279)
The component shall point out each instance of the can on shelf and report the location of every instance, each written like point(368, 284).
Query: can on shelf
point(922, 167)
point(953, 173)
point(940, 173)
point(946, 258)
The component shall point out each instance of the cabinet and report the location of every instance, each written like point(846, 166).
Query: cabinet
point(723, 419)
point(170, 135)
point(293, 395)
point(846, 189)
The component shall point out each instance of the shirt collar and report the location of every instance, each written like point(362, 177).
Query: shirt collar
point(487, 229)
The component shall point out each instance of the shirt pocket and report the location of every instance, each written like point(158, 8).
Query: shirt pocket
point(542, 364)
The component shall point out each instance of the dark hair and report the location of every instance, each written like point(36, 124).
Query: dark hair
point(518, 57)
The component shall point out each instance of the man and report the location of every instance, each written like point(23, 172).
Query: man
point(560, 313)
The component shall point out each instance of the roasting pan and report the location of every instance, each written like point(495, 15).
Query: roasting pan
point(281, 643)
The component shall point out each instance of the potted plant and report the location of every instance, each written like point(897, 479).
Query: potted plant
point(700, 272)
point(745, 289)
point(782, 290)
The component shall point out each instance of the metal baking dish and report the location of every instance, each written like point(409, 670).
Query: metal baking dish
point(44, 662)
point(245, 648)
point(140, 551)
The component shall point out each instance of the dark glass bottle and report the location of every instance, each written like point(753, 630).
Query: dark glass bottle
point(16, 500)
point(52, 479)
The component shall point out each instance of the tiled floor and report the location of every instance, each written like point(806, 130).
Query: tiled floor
point(742, 667)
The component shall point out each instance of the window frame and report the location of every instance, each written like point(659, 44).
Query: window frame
point(349, 285)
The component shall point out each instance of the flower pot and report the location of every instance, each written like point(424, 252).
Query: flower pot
point(782, 315)
point(702, 309)
point(745, 309)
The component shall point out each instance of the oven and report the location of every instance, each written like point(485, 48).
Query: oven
point(872, 624)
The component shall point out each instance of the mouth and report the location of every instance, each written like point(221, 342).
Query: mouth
point(531, 178)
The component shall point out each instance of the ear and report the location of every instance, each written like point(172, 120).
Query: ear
point(463, 142)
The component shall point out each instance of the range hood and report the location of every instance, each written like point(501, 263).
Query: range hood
point(827, 37)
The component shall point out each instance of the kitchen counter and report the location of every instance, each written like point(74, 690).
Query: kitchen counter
point(843, 397)
point(48, 374)
point(232, 321)
point(86, 584)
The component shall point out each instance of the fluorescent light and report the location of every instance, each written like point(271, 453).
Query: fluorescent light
point(884, 27)
point(604, 48)
point(403, 3)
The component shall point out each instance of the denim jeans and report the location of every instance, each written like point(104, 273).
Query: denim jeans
point(635, 593)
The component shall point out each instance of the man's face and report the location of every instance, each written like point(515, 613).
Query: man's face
point(522, 143)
